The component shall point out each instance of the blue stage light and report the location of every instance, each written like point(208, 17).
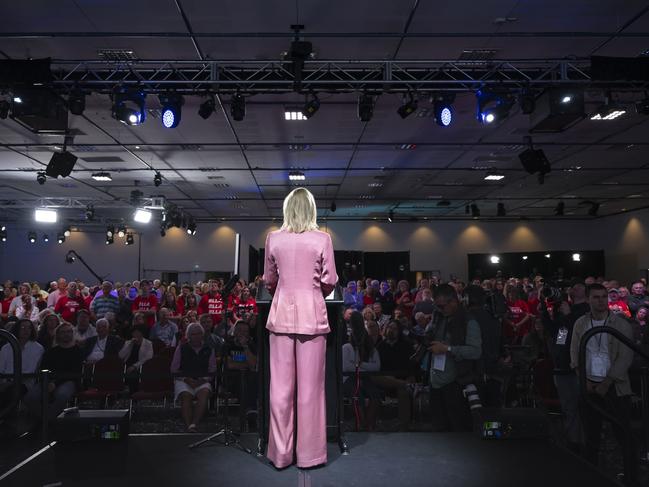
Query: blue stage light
point(128, 106)
point(492, 107)
point(171, 110)
point(443, 114)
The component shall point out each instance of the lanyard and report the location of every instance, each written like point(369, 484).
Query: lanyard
point(599, 342)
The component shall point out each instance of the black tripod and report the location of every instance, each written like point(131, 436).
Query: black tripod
point(225, 434)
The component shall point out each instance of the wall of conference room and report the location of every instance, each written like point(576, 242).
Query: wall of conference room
point(433, 245)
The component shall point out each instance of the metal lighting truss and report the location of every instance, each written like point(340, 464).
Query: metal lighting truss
point(153, 203)
point(344, 76)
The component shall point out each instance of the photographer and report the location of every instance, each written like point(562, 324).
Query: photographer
point(455, 349)
point(558, 320)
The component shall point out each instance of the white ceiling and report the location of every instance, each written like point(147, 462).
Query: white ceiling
point(345, 155)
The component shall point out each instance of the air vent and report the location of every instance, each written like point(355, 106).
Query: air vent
point(191, 147)
point(221, 185)
point(84, 148)
point(208, 169)
point(102, 159)
point(215, 177)
point(117, 54)
point(477, 54)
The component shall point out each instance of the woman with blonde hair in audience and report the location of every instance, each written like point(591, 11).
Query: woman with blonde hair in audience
point(368, 314)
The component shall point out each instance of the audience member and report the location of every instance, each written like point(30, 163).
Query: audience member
point(164, 330)
point(84, 328)
point(146, 303)
point(103, 344)
point(106, 302)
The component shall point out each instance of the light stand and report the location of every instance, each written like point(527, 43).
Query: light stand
point(228, 437)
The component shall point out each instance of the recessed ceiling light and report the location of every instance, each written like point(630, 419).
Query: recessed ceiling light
point(293, 114)
point(102, 176)
point(375, 185)
point(634, 196)
point(494, 177)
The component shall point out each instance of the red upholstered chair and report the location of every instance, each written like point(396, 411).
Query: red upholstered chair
point(107, 380)
point(155, 381)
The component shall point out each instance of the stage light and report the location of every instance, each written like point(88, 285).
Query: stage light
point(110, 231)
point(70, 257)
point(494, 259)
point(547, 256)
point(408, 107)
point(365, 107)
point(67, 232)
point(566, 99)
point(576, 257)
point(3, 234)
point(296, 176)
point(391, 216)
point(18, 99)
point(45, 215)
point(163, 229)
point(60, 238)
point(129, 239)
point(238, 107)
point(157, 179)
point(311, 106)
point(90, 212)
point(121, 231)
point(142, 215)
point(31, 236)
point(110, 240)
point(77, 102)
point(61, 164)
point(4, 109)
point(527, 102)
point(293, 114)
point(443, 113)
point(559, 210)
point(494, 177)
point(171, 111)
point(207, 108)
point(46, 238)
point(129, 106)
point(501, 210)
point(524, 257)
point(191, 228)
point(475, 211)
point(491, 107)
point(41, 177)
point(102, 176)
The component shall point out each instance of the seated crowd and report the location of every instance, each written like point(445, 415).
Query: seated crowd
point(447, 339)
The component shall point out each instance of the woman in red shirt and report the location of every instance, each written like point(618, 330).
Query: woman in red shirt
point(404, 298)
point(518, 321)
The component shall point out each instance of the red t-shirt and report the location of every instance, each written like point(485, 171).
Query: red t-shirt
point(620, 307)
point(248, 306)
point(4, 305)
point(213, 306)
point(367, 300)
point(517, 311)
point(148, 303)
point(67, 307)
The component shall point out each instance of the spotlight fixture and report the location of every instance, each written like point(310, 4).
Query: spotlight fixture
point(501, 210)
point(45, 215)
point(171, 111)
point(391, 216)
point(41, 177)
point(527, 102)
point(110, 240)
point(238, 107)
point(293, 114)
point(101, 176)
point(90, 212)
point(576, 257)
point(547, 256)
point(129, 239)
point(31, 236)
point(494, 259)
point(142, 215)
point(110, 231)
point(157, 179)
point(191, 228)
point(4, 109)
point(524, 257)
point(67, 232)
point(70, 257)
point(559, 210)
point(492, 107)
point(311, 106)
point(475, 211)
point(46, 238)
point(3, 234)
point(296, 176)
point(333, 207)
point(60, 238)
point(77, 102)
point(557, 109)
point(163, 229)
point(443, 111)
point(408, 107)
point(129, 106)
point(121, 231)
point(207, 108)
point(365, 107)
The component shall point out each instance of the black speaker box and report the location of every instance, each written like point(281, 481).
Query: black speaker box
point(512, 423)
point(534, 161)
point(61, 164)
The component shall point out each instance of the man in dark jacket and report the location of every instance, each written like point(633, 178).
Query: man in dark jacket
point(102, 345)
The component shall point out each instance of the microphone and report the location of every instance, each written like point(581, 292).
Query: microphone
point(230, 285)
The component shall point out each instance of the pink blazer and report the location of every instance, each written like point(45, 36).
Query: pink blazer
point(299, 271)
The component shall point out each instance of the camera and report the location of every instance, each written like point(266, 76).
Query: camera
point(553, 292)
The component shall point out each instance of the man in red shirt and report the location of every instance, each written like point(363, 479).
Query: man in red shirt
point(7, 298)
point(212, 303)
point(146, 303)
point(244, 305)
point(617, 305)
point(69, 304)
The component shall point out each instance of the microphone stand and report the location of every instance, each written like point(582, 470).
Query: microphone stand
point(229, 437)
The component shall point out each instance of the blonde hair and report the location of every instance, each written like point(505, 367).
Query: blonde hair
point(300, 211)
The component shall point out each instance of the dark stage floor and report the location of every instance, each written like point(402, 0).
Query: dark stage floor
point(408, 459)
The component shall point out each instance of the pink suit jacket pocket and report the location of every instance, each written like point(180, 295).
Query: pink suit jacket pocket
point(299, 271)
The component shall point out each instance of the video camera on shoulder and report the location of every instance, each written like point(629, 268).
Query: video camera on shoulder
point(553, 292)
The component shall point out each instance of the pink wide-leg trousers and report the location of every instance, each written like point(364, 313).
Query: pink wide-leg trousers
point(297, 361)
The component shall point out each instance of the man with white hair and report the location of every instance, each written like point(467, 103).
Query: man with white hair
point(105, 301)
point(102, 345)
point(25, 289)
point(61, 290)
point(165, 329)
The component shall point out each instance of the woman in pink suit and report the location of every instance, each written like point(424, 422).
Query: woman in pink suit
point(299, 271)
